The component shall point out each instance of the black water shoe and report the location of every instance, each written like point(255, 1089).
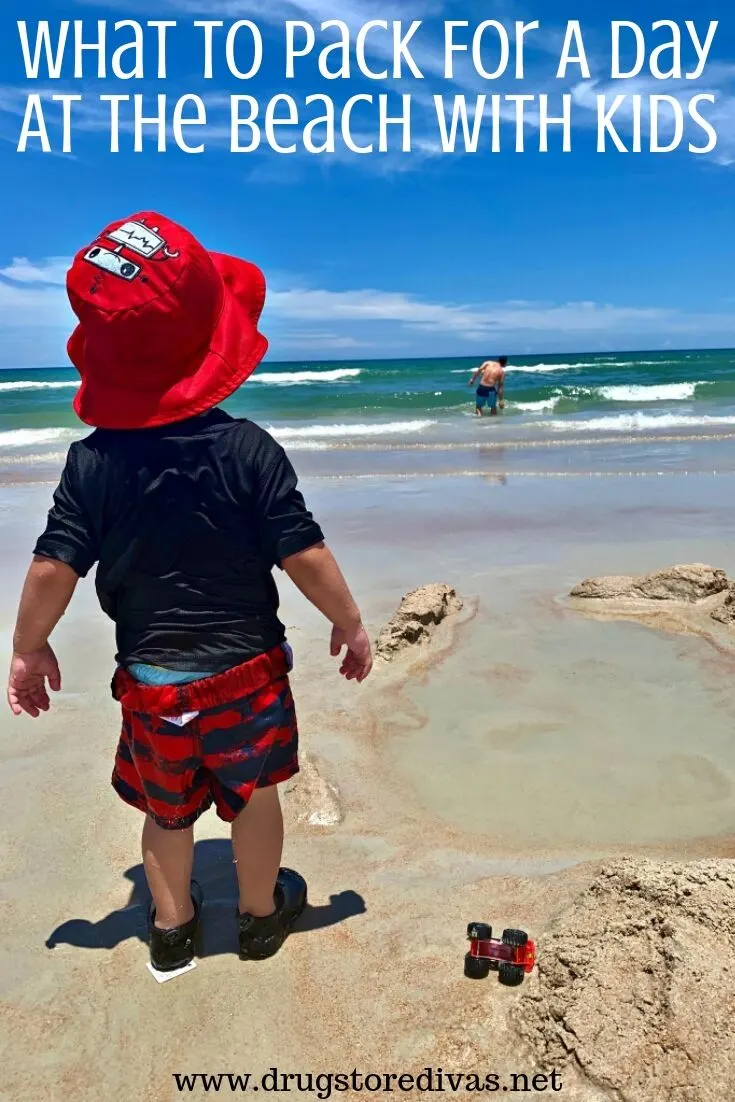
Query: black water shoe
point(174, 949)
point(261, 938)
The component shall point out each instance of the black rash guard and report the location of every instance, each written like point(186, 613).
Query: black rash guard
point(186, 523)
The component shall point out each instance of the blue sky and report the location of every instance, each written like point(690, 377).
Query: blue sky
point(391, 254)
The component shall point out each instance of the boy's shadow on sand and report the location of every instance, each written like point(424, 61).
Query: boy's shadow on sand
point(214, 870)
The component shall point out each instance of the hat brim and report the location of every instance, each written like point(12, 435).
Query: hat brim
point(231, 356)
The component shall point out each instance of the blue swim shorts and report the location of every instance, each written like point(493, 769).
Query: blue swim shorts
point(487, 396)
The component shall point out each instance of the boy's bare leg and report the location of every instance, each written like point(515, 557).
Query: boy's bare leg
point(168, 857)
point(257, 841)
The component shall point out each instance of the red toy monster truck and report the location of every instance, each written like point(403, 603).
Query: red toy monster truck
point(513, 958)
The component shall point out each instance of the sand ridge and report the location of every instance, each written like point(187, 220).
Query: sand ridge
point(637, 983)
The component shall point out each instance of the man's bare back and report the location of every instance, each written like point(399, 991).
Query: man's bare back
point(490, 387)
point(491, 373)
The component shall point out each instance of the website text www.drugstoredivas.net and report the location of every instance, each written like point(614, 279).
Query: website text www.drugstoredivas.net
point(326, 1085)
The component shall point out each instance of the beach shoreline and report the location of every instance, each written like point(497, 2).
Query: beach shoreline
point(314, 406)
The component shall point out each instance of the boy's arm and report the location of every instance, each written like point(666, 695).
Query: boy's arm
point(294, 541)
point(64, 553)
point(48, 589)
point(316, 573)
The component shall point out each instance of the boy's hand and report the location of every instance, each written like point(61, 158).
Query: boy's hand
point(315, 572)
point(358, 662)
point(27, 682)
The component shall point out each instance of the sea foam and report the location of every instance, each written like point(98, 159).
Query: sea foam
point(667, 392)
point(349, 432)
point(637, 422)
point(24, 438)
point(537, 407)
point(300, 378)
point(28, 384)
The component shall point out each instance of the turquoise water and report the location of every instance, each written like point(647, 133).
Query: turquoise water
point(316, 405)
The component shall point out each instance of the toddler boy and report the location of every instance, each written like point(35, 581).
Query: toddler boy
point(185, 511)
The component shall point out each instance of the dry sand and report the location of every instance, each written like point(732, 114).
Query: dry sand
point(637, 983)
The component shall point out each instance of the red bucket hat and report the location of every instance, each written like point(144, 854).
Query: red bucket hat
point(166, 329)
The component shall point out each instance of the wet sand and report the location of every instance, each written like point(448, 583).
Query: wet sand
point(528, 742)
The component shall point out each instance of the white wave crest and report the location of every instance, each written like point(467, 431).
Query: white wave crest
point(348, 432)
point(24, 438)
point(637, 422)
point(667, 392)
point(546, 369)
point(605, 362)
point(535, 369)
point(301, 378)
point(537, 407)
point(308, 445)
point(28, 384)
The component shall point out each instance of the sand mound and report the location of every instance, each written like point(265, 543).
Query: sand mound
point(691, 583)
point(421, 611)
point(311, 800)
point(725, 612)
point(636, 984)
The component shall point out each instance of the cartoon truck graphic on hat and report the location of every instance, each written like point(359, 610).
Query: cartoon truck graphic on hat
point(139, 239)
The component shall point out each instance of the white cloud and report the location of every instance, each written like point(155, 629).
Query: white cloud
point(52, 270)
point(354, 12)
point(26, 300)
point(35, 319)
point(306, 338)
point(466, 321)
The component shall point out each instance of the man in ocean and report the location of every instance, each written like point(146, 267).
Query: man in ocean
point(491, 386)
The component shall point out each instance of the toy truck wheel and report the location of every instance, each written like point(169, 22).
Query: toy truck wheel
point(475, 968)
point(511, 975)
point(479, 931)
point(518, 939)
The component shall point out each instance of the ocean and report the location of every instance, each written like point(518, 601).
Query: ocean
point(426, 404)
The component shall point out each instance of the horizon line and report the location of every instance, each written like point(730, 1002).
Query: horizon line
point(408, 359)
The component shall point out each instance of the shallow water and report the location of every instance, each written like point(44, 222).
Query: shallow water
point(544, 730)
point(576, 734)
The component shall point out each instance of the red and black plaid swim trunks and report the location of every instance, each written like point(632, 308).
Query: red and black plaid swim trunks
point(185, 747)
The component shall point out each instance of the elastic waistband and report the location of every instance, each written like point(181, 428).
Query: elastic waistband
point(176, 700)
